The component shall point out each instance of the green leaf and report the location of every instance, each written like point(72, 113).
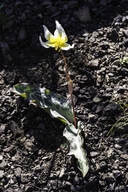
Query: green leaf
point(75, 139)
point(56, 105)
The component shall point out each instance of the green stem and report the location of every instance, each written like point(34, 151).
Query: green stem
point(69, 81)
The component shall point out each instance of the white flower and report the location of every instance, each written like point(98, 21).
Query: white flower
point(58, 40)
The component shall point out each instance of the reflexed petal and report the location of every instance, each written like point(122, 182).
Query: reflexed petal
point(66, 46)
point(44, 44)
point(60, 31)
point(56, 33)
point(50, 44)
point(47, 33)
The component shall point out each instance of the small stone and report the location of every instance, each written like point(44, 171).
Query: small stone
point(76, 180)
point(22, 35)
point(46, 2)
point(92, 117)
point(25, 178)
point(29, 145)
point(1, 80)
point(93, 64)
point(56, 14)
point(61, 173)
point(51, 10)
point(29, 188)
point(1, 158)
point(99, 109)
point(11, 181)
point(72, 3)
point(84, 14)
point(2, 128)
point(114, 36)
point(17, 172)
point(111, 109)
point(126, 42)
point(126, 176)
point(121, 89)
point(107, 96)
point(94, 153)
point(9, 11)
point(103, 165)
point(125, 32)
point(11, 78)
point(117, 146)
point(1, 174)
point(103, 2)
point(124, 156)
point(23, 17)
point(13, 126)
point(117, 173)
point(96, 100)
point(3, 164)
point(18, 3)
point(109, 153)
point(6, 52)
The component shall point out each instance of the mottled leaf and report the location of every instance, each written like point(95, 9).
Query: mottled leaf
point(75, 139)
point(54, 104)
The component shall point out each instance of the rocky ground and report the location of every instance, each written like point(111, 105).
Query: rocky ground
point(33, 152)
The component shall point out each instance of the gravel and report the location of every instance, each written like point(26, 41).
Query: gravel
point(33, 153)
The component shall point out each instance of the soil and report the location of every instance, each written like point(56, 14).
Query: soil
point(33, 152)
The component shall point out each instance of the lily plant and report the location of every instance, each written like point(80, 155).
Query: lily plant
point(56, 105)
point(59, 42)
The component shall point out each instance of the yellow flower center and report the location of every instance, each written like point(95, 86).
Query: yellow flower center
point(57, 42)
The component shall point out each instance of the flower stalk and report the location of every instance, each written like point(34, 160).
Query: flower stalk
point(70, 86)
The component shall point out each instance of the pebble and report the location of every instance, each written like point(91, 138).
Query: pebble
point(103, 2)
point(1, 174)
point(111, 109)
point(3, 164)
point(96, 100)
point(2, 128)
point(25, 178)
point(117, 173)
point(124, 156)
point(114, 36)
point(17, 172)
point(1, 158)
point(46, 2)
point(22, 35)
point(6, 52)
point(117, 146)
point(103, 165)
point(84, 14)
point(126, 175)
point(110, 152)
point(1, 80)
point(72, 3)
point(93, 64)
point(94, 153)
point(29, 145)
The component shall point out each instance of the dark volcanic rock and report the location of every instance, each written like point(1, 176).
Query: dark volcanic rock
point(33, 153)
point(111, 109)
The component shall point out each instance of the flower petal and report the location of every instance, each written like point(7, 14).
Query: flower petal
point(47, 33)
point(60, 31)
point(67, 46)
point(44, 44)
